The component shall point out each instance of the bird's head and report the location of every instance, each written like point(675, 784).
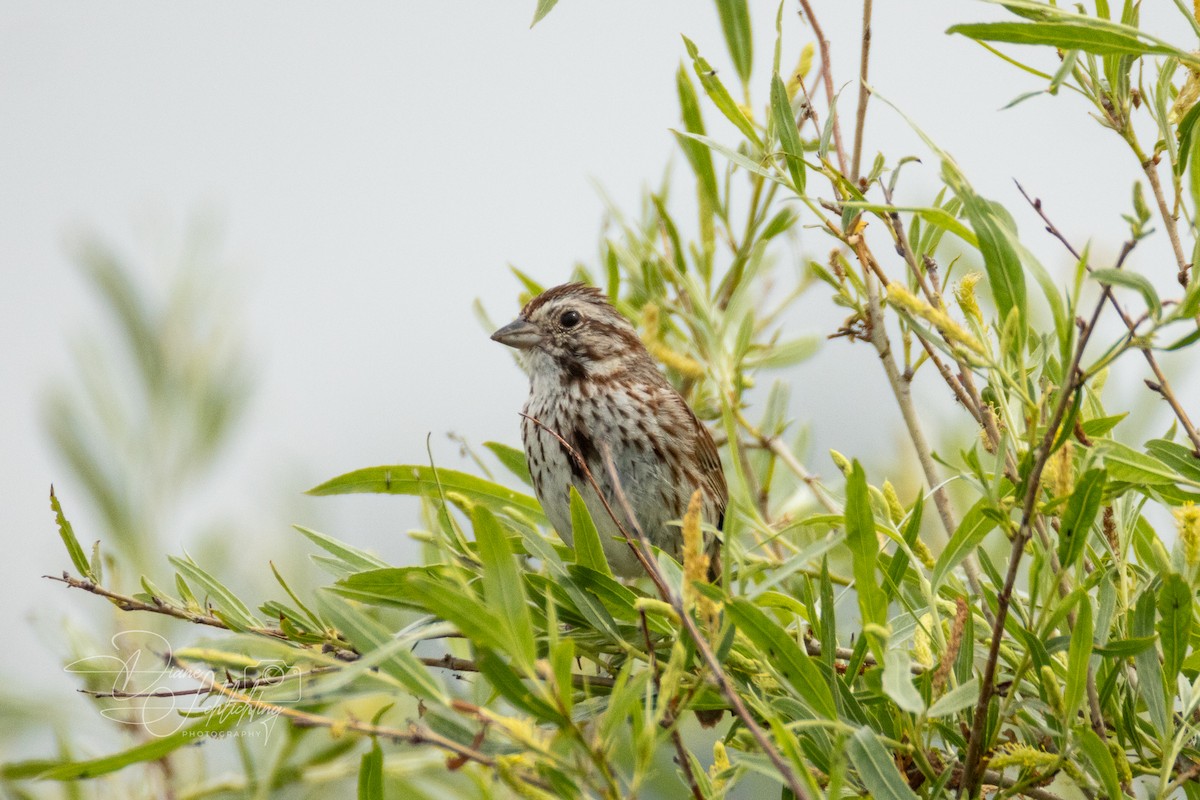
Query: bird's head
point(574, 330)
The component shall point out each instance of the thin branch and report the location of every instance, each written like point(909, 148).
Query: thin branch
point(1161, 385)
point(864, 93)
point(1074, 381)
point(414, 734)
point(827, 77)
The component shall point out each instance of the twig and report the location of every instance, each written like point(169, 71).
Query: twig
point(413, 734)
point(127, 603)
point(685, 763)
point(1074, 381)
point(864, 93)
point(827, 77)
point(1162, 385)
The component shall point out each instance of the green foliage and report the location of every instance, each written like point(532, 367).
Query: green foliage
point(1048, 649)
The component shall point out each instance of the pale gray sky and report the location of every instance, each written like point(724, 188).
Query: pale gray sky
point(377, 166)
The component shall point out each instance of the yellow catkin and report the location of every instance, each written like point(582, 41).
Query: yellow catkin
point(1187, 517)
point(720, 764)
point(922, 552)
point(841, 462)
point(685, 365)
point(895, 507)
point(803, 66)
point(1187, 98)
point(1021, 755)
point(1059, 475)
point(965, 295)
point(955, 334)
point(922, 651)
point(696, 560)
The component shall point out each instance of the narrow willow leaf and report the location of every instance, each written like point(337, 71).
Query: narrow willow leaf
point(734, 156)
point(410, 479)
point(503, 588)
point(938, 217)
point(1098, 754)
point(698, 155)
point(370, 773)
point(356, 559)
point(1188, 140)
point(230, 609)
point(782, 653)
point(1080, 513)
point(218, 720)
point(1078, 656)
point(1128, 465)
point(367, 635)
point(1088, 34)
point(510, 685)
point(876, 767)
point(1149, 669)
point(960, 697)
point(589, 550)
point(462, 609)
point(864, 551)
point(897, 681)
point(1132, 280)
point(976, 524)
point(513, 460)
point(789, 136)
point(720, 95)
point(68, 538)
point(735, 23)
point(1176, 456)
point(544, 7)
point(1174, 625)
point(995, 230)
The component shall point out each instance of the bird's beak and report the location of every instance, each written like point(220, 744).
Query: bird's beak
point(520, 333)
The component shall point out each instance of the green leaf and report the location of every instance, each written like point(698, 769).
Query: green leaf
point(976, 524)
point(720, 95)
point(1188, 140)
point(503, 587)
point(367, 636)
point(510, 685)
point(938, 217)
point(544, 7)
point(1174, 626)
point(68, 537)
point(995, 230)
point(963, 696)
point(876, 767)
point(589, 551)
point(864, 551)
point(228, 607)
point(462, 609)
point(1082, 507)
point(370, 773)
point(698, 155)
point(513, 460)
point(789, 136)
point(1088, 34)
point(897, 681)
point(1078, 655)
point(421, 481)
point(784, 654)
point(1176, 456)
point(1129, 466)
point(1098, 753)
point(222, 718)
point(1132, 280)
point(356, 559)
point(1149, 669)
point(733, 155)
point(735, 23)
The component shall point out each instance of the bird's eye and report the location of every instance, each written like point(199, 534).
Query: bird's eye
point(569, 319)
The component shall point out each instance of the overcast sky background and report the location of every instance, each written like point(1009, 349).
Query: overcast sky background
point(377, 166)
